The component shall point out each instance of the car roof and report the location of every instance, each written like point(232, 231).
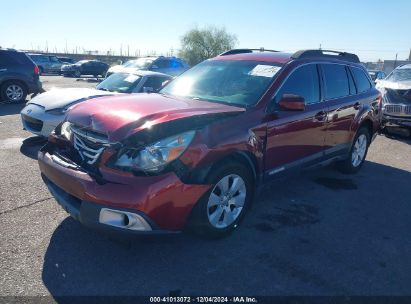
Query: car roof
point(272, 57)
point(145, 73)
point(405, 66)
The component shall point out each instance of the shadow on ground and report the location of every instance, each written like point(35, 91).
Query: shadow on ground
point(399, 137)
point(31, 146)
point(318, 233)
point(11, 108)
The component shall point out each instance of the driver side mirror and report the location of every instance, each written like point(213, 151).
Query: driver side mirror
point(292, 102)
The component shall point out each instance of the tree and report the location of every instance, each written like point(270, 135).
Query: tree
point(200, 44)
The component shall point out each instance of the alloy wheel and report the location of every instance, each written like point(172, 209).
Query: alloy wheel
point(226, 201)
point(14, 92)
point(359, 150)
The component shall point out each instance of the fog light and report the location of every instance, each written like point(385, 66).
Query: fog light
point(122, 219)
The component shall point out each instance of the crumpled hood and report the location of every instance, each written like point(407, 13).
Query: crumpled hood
point(118, 117)
point(397, 85)
point(59, 98)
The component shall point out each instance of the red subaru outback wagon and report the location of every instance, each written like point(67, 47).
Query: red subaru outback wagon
point(194, 154)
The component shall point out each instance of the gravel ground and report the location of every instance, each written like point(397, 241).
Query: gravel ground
point(317, 233)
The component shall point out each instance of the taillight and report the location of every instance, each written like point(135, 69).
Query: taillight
point(36, 70)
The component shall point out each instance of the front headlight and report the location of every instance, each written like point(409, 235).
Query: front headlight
point(154, 157)
point(66, 130)
point(59, 111)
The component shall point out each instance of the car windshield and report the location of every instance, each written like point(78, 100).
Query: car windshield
point(141, 63)
point(233, 82)
point(119, 82)
point(400, 75)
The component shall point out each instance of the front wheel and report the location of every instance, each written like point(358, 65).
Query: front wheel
point(358, 152)
point(220, 210)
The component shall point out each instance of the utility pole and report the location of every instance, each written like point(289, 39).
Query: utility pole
point(395, 62)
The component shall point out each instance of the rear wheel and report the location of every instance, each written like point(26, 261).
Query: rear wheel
point(13, 92)
point(358, 152)
point(220, 210)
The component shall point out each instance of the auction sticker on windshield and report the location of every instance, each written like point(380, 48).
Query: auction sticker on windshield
point(264, 70)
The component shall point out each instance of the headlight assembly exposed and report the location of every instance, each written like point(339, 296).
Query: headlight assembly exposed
point(66, 130)
point(154, 157)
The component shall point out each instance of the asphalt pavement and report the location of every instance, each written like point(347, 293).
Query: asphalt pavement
point(316, 233)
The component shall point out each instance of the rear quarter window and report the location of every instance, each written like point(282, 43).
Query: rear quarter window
point(361, 80)
point(14, 58)
point(336, 81)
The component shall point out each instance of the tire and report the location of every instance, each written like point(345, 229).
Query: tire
point(358, 152)
point(215, 214)
point(13, 92)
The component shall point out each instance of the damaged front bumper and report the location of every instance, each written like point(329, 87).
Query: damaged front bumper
point(396, 121)
point(118, 201)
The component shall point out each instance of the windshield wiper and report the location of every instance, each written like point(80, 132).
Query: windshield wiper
point(221, 102)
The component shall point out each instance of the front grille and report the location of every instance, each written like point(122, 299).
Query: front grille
point(32, 123)
point(397, 109)
point(89, 144)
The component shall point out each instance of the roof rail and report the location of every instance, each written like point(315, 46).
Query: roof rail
point(326, 54)
point(242, 51)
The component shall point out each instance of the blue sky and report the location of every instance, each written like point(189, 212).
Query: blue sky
point(372, 29)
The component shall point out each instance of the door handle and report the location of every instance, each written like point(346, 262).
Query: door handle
point(357, 105)
point(320, 116)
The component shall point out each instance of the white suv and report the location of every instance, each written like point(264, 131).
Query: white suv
point(167, 65)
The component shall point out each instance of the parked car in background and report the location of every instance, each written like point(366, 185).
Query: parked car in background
point(85, 67)
point(168, 65)
point(193, 155)
point(376, 75)
point(66, 59)
point(19, 76)
point(396, 91)
point(45, 111)
point(47, 63)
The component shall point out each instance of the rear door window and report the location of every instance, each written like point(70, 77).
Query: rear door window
point(304, 82)
point(353, 89)
point(336, 81)
point(361, 80)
